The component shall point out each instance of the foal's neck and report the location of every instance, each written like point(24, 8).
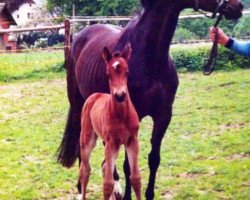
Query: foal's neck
point(120, 109)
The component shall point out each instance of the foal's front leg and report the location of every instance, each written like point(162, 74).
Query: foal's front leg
point(135, 178)
point(111, 152)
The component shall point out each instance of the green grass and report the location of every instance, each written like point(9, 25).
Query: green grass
point(31, 65)
point(204, 155)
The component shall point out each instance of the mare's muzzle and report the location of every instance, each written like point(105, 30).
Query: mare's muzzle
point(230, 12)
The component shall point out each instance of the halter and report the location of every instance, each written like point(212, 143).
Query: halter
point(220, 6)
point(210, 63)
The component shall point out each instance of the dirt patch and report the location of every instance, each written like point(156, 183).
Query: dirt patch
point(227, 84)
point(168, 195)
point(196, 175)
point(238, 156)
point(229, 126)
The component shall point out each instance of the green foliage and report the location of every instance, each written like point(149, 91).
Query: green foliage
point(191, 58)
point(200, 27)
point(242, 29)
point(40, 39)
point(183, 35)
point(246, 4)
point(93, 7)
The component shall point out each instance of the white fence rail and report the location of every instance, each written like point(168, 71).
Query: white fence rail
point(91, 19)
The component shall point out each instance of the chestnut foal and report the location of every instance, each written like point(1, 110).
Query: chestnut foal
point(113, 118)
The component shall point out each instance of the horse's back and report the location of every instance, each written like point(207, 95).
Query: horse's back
point(87, 55)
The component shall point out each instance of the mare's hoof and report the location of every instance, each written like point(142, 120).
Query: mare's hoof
point(78, 197)
point(118, 196)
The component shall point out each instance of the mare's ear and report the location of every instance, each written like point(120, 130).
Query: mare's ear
point(126, 52)
point(106, 54)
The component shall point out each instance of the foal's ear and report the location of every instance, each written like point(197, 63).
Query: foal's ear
point(126, 52)
point(106, 54)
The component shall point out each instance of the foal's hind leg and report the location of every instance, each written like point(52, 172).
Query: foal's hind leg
point(135, 177)
point(87, 145)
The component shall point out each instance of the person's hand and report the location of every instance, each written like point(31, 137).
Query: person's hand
point(222, 37)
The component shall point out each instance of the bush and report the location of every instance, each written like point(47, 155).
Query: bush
point(40, 39)
point(191, 58)
point(182, 35)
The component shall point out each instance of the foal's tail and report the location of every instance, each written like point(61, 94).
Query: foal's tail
point(69, 149)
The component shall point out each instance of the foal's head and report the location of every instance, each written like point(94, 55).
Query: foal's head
point(117, 71)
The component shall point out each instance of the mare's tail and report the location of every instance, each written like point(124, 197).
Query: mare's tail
point(69, 149)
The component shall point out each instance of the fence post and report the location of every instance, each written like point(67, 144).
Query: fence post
point(66, 42)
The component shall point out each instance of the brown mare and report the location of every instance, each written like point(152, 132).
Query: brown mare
point(113, 118)
point(152, 80)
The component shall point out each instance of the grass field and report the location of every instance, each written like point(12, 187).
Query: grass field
point(205, 154)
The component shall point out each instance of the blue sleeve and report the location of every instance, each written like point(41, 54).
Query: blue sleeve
point(240, 47)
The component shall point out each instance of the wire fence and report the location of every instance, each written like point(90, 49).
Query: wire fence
point(69, 24)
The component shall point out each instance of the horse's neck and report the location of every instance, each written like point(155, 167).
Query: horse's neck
point(151, 38)
point(161, 25)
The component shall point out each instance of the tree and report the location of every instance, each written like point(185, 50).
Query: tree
point(93, 7)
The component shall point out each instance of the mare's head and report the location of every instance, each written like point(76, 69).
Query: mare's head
point(117, 71)
point(231, 9)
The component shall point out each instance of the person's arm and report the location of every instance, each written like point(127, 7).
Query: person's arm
point(240, 47)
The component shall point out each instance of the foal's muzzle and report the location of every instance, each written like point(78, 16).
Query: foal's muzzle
point(120, 97)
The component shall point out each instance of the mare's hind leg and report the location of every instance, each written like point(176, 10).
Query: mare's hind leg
point(117, 187)
point(126, 169)
point(160, 126)
point(79, 187)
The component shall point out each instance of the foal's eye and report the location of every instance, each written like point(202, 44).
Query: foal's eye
point(126, 73)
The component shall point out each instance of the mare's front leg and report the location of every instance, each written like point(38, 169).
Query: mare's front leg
point(135, 178)
point(111, 152)
point(161, 123)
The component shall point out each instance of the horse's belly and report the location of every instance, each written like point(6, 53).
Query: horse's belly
point(90, 66)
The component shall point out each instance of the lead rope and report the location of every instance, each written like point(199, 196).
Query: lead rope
point(210, 63)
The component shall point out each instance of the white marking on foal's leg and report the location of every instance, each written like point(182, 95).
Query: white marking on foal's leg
point(118, 190)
